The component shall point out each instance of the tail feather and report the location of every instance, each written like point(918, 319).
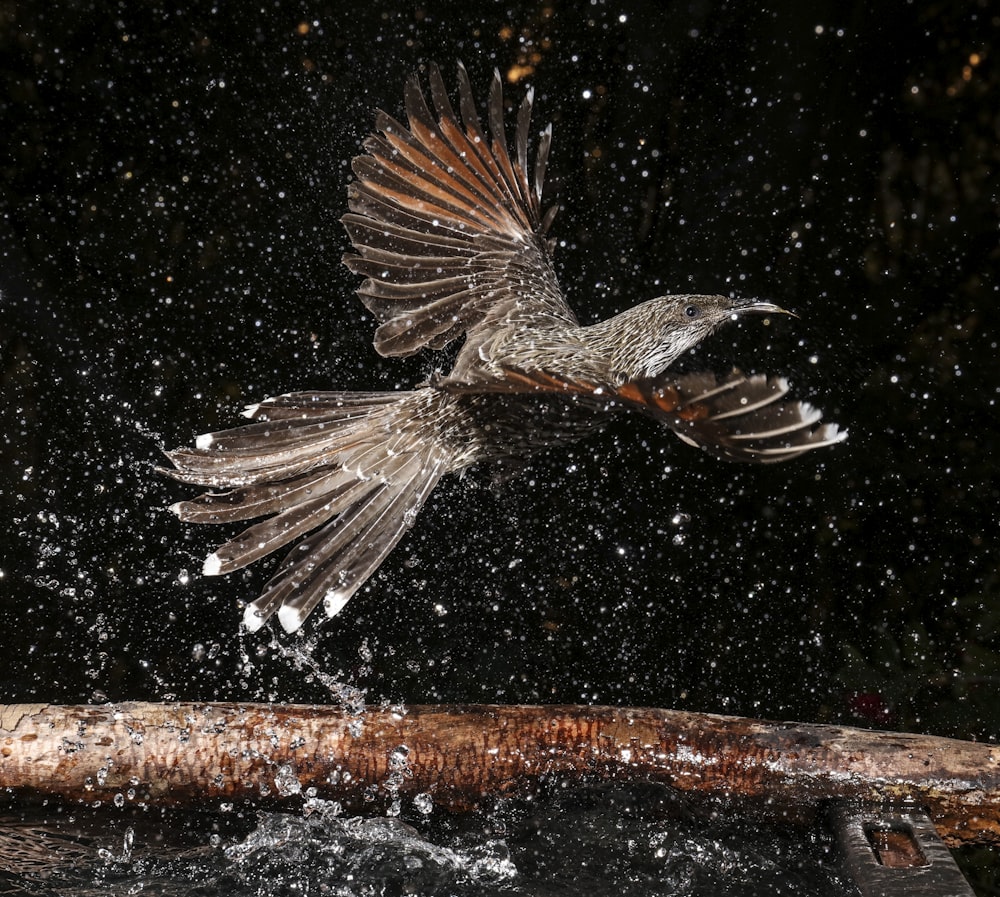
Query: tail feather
point(364, 555)
point(257, 447)
point(335, 563)
point(746, 418)
point(340, 405)
point(309, 570)
point(247, 502)
point(353, 469)
point(295, 520)
point(271, 451)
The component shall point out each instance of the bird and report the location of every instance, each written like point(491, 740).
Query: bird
point(449, 232)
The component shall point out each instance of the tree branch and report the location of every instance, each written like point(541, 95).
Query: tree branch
point(204, 754)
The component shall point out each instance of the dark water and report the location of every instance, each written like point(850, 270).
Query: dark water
point(170, 249)
point(622, 840)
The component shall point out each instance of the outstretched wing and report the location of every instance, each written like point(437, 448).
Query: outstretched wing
point(738, 417)
point(446, 226)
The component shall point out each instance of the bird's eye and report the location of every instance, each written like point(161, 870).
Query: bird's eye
point(692, 311)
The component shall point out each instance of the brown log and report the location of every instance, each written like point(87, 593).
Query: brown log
point(204, 754)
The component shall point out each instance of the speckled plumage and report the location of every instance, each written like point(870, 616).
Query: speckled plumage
point(449, 232)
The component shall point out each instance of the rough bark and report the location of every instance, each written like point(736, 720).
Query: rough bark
point(205, 754)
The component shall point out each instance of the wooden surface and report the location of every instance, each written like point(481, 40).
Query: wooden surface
point(205, 754)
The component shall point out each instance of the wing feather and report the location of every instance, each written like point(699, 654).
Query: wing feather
point(741, 418)
point(447, 228)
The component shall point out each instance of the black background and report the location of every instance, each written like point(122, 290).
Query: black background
point(172, 184)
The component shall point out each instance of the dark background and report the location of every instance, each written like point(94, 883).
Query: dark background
point(172, 184)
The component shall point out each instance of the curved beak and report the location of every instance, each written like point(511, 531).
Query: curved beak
point(748, 307)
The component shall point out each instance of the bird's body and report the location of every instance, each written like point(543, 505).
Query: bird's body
point(448, 230)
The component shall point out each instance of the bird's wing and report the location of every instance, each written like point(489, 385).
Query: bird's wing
point(447, 228)
point(737, 416)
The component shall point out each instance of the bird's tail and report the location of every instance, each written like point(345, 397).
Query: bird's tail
point(740, 417)
point(350, 468)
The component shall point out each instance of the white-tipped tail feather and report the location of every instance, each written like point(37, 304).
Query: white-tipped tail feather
point(212, 565)
point(290, 618)
point(334, 601)
point(252, 619)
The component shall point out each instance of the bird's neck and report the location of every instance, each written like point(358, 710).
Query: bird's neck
point(620, 346)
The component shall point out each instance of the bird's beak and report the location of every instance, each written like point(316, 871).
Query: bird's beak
point(760, 308)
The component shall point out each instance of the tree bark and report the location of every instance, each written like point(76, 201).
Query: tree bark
point(206, 754)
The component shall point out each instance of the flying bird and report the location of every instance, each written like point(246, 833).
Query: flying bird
point(449, 231)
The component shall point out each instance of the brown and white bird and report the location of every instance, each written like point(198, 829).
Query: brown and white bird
point(449, 232)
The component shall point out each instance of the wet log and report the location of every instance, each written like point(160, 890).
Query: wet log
point(205, 755)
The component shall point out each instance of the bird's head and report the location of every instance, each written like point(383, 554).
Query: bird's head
point(645, 340)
